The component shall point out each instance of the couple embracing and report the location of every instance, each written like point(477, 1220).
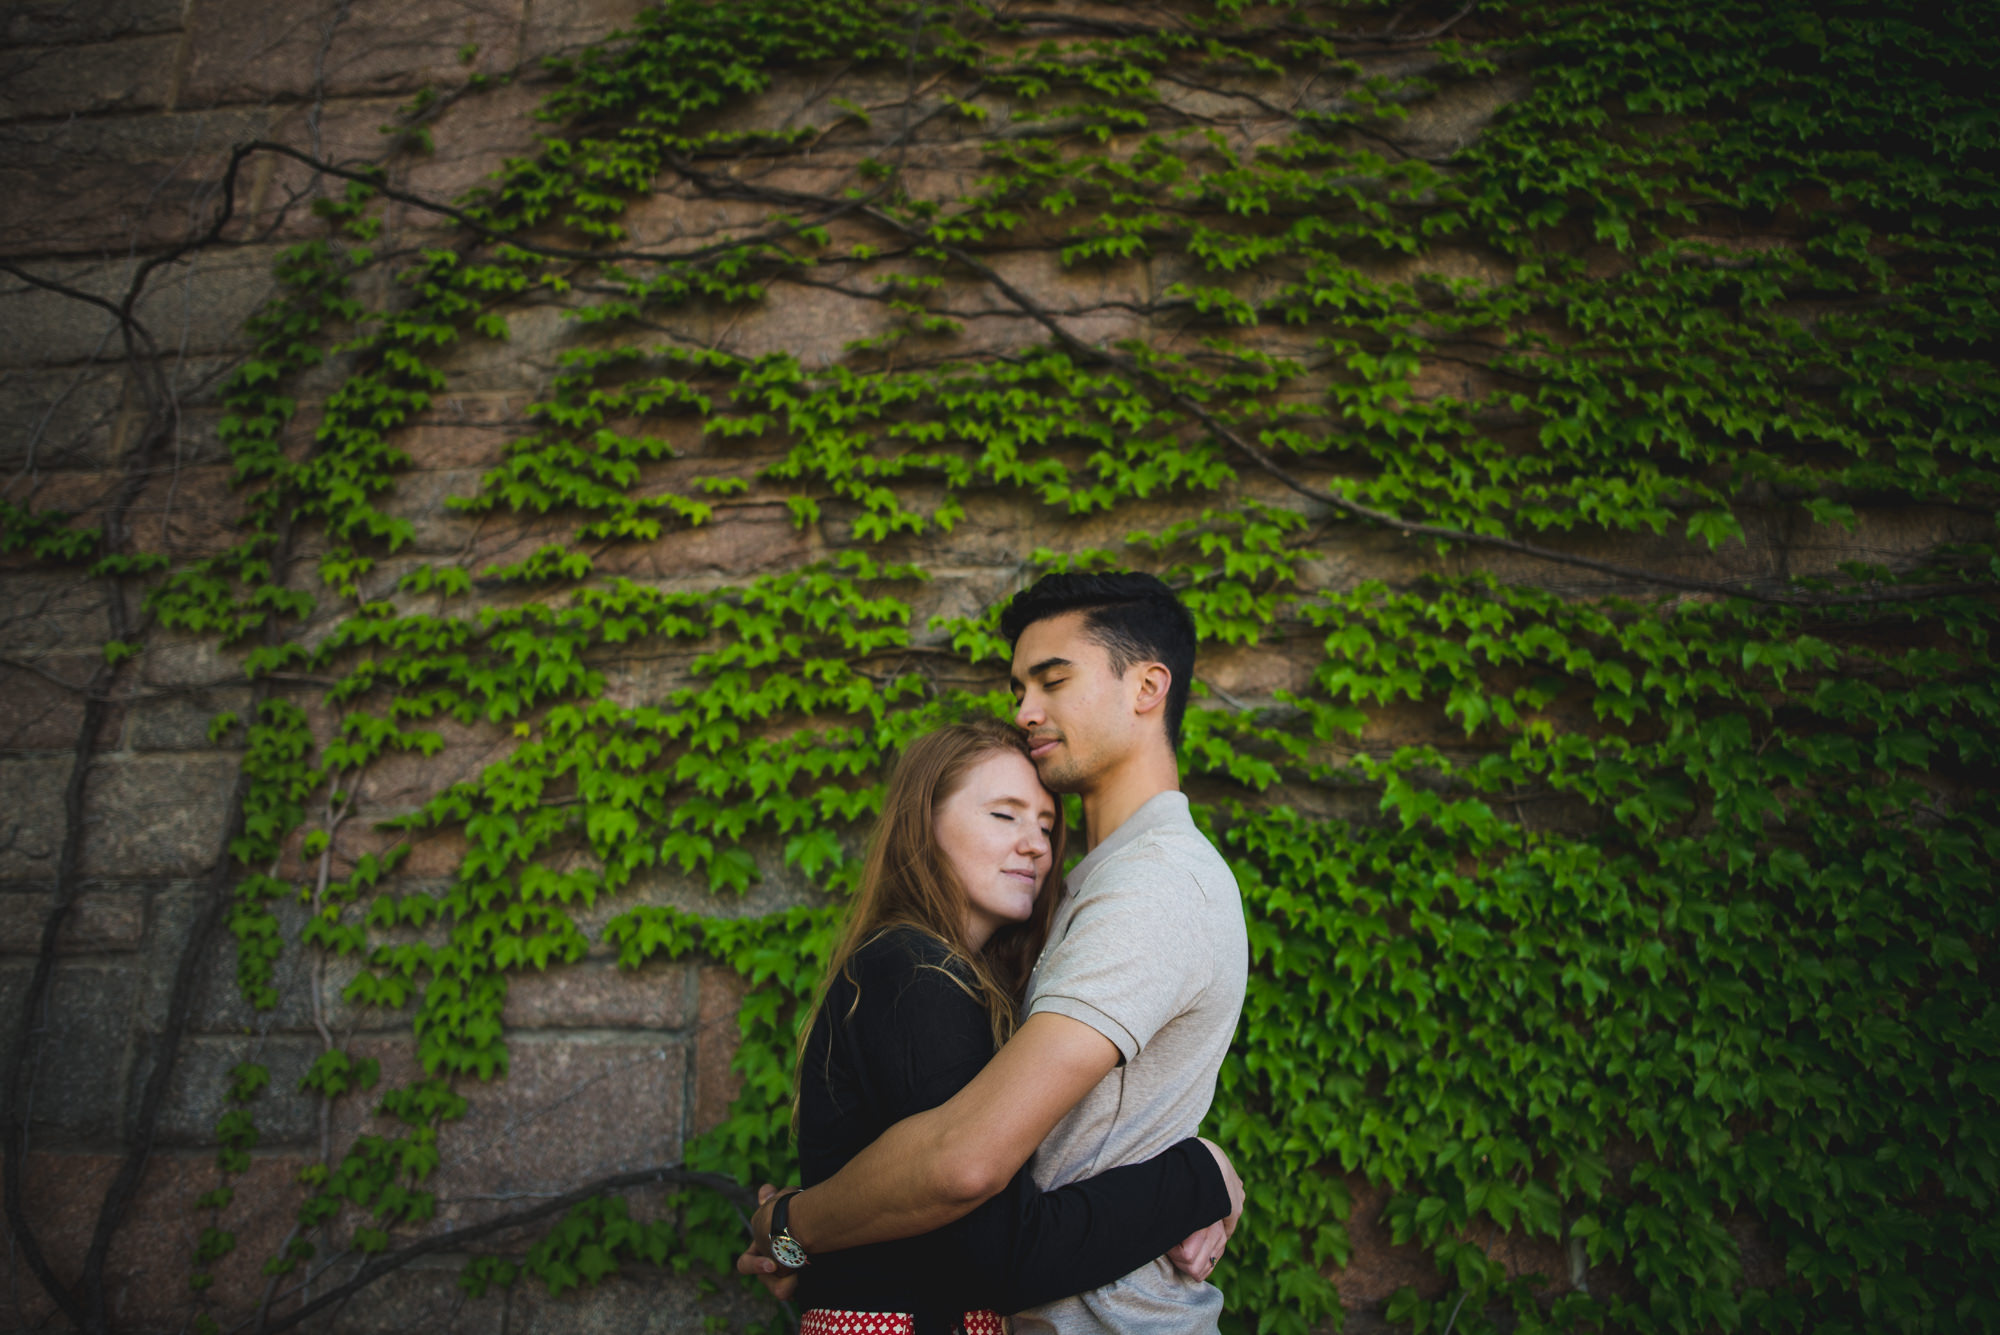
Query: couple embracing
point(999, 1090)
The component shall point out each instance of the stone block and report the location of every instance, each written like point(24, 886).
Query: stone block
point(178, 658)
point(108, 185)
point(777, 888)
point(41, 708)
point(31, 830)
point(172, 914)
point(199, 304)
point(1445, 123)
point(61, 419)
point(741, 539)
point(45, 612)
point(185, 510)
point(717, 1037)
point(14, 978)
point(157, 815)
point(569, 1109)
point(420, 497)
point(146, 1279)
point(404, 779)
point(196, 1091)
point(245, 51)
point(638, 1300)
point(473, 133)
point(346, 1017)
point(218, 1004)
point(180, 722)
point(81, 1063)
point(467, 431)
point(50, 22)
point(597, 994)
point(560, 27)
point(146, 1273)
point(424, 1298)
point(130, 75)
point(98, 921)
point(83, 497)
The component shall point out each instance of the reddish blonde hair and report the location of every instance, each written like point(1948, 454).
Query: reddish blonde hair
point(907, 881)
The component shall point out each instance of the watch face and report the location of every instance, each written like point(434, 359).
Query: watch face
point(787, 1252)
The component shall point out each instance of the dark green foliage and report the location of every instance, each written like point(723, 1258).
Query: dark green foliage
point(1652, 926)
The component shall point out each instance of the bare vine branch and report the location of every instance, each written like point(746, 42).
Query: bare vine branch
point(457, 1239)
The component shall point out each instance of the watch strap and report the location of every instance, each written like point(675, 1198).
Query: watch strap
point(785, 1248)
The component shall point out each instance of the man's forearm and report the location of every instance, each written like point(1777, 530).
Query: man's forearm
point(907, 1182)
point(937, 1166)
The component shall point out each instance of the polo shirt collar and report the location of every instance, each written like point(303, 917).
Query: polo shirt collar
point(1164, 808)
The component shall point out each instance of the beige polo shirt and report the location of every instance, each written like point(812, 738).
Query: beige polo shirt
point(1147, 948)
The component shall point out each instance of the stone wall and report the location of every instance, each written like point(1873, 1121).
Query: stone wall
point(117, 125)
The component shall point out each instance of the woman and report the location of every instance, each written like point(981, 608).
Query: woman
point(956, 897)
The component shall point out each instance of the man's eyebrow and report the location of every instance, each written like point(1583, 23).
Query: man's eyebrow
point(1047, 665)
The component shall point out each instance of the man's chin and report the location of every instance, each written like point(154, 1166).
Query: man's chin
point(1058, 773)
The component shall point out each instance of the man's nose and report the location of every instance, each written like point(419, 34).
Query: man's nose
point(1027, 712)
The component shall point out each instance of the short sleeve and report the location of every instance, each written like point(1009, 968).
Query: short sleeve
point(1135, 954)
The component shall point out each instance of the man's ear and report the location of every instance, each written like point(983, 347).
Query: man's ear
point(1150, 691)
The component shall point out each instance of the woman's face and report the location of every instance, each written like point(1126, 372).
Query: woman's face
point(995, 835)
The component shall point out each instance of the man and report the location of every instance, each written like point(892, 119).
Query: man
point(1134, 1001)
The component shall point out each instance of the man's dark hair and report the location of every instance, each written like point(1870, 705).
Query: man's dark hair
point(1136, 618)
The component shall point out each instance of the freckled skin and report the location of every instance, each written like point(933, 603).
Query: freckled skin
point(995, 834)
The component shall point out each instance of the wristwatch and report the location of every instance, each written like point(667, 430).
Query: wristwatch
point(785, 1248)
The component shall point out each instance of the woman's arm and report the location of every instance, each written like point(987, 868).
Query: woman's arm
point(924, 1038)
point(1026, 1246)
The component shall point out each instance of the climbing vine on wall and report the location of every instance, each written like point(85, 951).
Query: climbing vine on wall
point(1618, 870)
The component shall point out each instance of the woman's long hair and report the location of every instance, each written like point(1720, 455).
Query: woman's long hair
point(907, 879)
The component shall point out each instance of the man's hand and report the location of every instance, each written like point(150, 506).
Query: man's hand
point(777, 1281)
point(1199, 1251)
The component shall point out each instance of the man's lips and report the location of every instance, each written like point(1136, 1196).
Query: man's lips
point(1041, 746)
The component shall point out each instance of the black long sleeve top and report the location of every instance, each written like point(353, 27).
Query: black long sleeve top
point(904, 1037)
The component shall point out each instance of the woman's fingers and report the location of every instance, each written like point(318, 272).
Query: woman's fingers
point(1197, 1252)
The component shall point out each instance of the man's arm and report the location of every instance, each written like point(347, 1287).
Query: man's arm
point(927, 1170)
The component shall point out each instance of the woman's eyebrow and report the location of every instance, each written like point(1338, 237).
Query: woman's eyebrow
point(1015, 802)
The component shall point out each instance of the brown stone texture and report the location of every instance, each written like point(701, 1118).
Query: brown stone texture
point(41, 705)
point(153, 1253)
point(172, 812)
point(243, 51)
point(565, 1113)
point(599, 995)
point(97, 921)
point(715, 1084)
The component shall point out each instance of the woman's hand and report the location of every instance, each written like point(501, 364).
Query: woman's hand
point(1199, 1251)
point(756, 1260)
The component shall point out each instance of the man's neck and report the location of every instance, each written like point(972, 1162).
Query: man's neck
point(1111, 801)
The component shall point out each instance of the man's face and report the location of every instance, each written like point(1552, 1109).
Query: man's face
point(1076, 711)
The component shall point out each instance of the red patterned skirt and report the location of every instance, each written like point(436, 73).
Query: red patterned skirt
point(823, 1321)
